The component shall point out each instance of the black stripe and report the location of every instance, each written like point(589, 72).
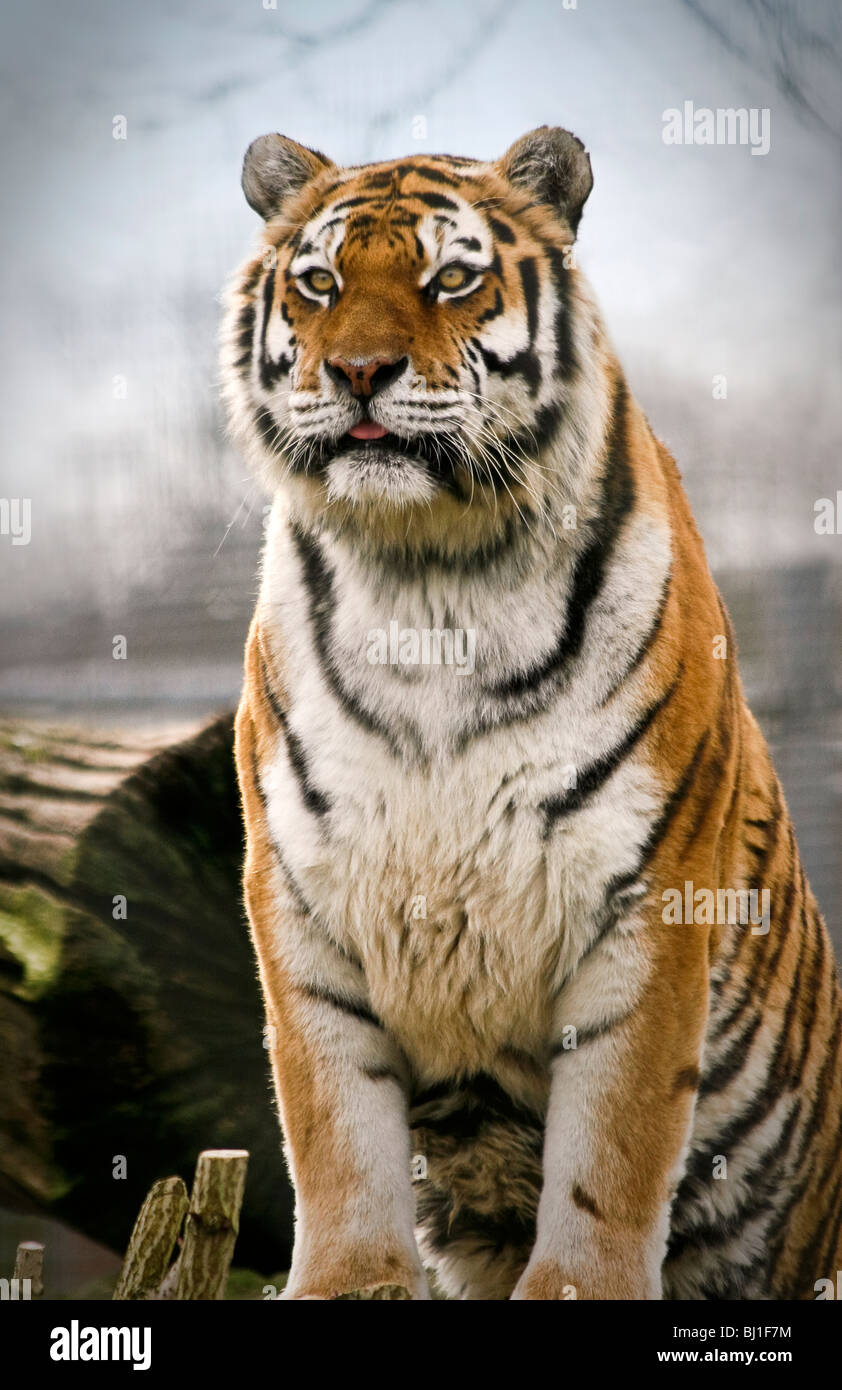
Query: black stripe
point(268, 429)
point(245, 327)
point(586, 1035)
point(250, 280)
point(761, 1182)
point(245, 336)
point(737, 781)
point(591, 567)
point(291, 880)
point(542, 433)
point(717, 1077)
point(622, 883)
point(750, 989)
point(382, 1073)
point(812, 994)
point(429, 172)
point(357, 202)
point(434, 1095)
point(615, 909)
point(725, 1023)
point(713, 772)
point(821, 1094)
point(294, 890)
point(502, 230)
point(646, 645)
point(764, 972)
point(336, 1001)
point(555, 807)
point(674, 803)
point(529, 282)
point(810, 1266)
point(565, 350)
point(270, 371)
point(357, 222)
point(319, 585)
point(495, 310)
point(747, 1119)
point(384, 178)
point(315, 800)
point(585, 1202)
point(525, 364)
point(776, 811)
point(401, 218)
point(833, 1227)
point(435, 200)
point(615, 901)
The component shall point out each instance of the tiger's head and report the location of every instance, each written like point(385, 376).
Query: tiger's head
point(412, 350)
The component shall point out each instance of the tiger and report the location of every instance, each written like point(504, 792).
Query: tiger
point(491, 731)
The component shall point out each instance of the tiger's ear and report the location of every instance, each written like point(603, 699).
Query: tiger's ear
point(274, 167)
point(554, 166)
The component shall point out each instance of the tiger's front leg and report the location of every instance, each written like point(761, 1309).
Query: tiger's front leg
point(340, 1082)
point(619, 1116)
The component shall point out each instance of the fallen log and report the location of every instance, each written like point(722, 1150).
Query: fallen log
point(130, 1017)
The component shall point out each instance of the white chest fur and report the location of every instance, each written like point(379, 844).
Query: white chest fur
point(432, 864)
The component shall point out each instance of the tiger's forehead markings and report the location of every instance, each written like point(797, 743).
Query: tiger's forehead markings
point(444, 223)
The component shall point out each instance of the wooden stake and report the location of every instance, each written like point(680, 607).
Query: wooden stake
point(212, 1224)
point(29, 1264)
point(153, 1240)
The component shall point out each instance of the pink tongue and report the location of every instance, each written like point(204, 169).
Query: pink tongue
point(367, 429)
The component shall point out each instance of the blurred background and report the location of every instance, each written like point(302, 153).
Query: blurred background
point(718, 272)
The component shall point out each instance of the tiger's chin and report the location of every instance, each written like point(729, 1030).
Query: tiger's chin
point(383, 477)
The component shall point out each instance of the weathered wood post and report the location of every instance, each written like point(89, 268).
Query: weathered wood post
point(213, 1221)
point(153, 1240)
point(29, 1264)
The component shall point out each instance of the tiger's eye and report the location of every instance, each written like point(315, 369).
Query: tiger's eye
point(453, 277)
point(320, 280)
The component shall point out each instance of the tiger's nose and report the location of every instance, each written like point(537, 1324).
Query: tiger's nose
point(364, 378)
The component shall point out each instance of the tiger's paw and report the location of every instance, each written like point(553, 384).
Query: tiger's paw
point(545, 1281)
point(355, 1279)
point(392, 1292)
